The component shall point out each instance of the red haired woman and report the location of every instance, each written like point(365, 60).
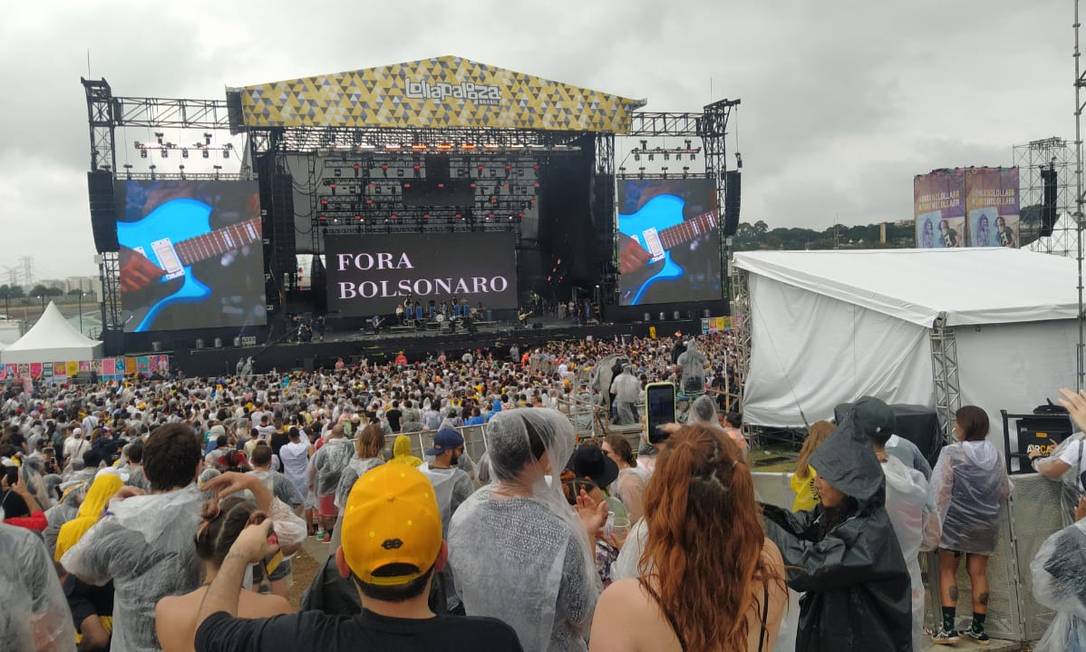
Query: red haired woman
point(710, 580)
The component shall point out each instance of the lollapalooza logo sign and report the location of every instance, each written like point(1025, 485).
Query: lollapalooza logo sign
point(478, 93)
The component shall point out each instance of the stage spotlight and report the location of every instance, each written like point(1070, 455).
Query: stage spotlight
point(158, 135)
point(621, 170)
point(207, 139)
point(686, 171)
point(143, 153)
point(637, 157)
point(336, 172)
point(128, 171)
point(152, 168)
point(650, 157)
point(664, 169)
point(687, 141)
point(184, 152)
point(226, 153)
point(738, 160)
point(644, 144)
point(667, 156)
point(205, 153)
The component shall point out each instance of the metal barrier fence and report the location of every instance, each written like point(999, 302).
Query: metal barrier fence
point(474, 441)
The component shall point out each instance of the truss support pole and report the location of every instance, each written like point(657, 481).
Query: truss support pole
point(944, 367)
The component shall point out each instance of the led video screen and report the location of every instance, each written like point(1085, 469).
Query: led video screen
point(191, 255)
point(668, 241)
point(370, 275)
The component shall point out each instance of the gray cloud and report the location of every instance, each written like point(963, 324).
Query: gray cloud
point(843, 102)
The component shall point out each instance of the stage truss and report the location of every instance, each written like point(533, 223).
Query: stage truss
point(1030, 159)
point(944, 368)
point(373, 148)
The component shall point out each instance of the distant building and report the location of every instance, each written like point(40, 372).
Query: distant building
point(88, 284)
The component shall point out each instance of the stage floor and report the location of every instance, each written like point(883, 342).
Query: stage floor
point(415, 344)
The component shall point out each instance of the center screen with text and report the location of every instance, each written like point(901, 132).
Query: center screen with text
point(668, 241)
point(372, 274)
point(191, 255)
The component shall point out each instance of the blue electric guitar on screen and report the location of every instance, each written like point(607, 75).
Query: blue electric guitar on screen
point(658, 227)
point(174, 236)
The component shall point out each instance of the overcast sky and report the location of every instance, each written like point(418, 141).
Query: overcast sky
point(843, 101)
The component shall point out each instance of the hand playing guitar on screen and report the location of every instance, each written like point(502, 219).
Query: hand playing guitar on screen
point(140, 280)
point(137, 272)
point(631, 256)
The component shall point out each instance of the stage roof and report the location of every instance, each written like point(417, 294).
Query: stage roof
point(442, 92)
point(972, 286)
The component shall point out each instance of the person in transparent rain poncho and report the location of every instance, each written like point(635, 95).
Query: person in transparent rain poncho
point(1059, 583)
point(969, 484)
point(627, 389)
point(35, 613)
point(692, 363)
point(521, 550)
point(145, 545)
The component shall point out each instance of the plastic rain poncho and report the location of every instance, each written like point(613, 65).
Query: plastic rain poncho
point(35, 614)
point(146, 547)
point(847, 559)
point(693, 367)
point(627, 390)
point(1059, 583)
point(915, 522)
point(330, 461)
point(1071, 483)
point(517, 548)
point(969, 484)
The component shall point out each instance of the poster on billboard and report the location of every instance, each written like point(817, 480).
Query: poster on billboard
point(668, 241)
point(191, 254)
point(371, 275)
point(939, 209)
point(991, 206)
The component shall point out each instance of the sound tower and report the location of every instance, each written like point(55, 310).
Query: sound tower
point(102, 210)
point(733, 182)
point(1048, 203)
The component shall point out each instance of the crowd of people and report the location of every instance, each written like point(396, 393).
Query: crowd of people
point(165, 514)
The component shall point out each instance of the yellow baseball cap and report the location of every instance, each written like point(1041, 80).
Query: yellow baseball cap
point(391, 517)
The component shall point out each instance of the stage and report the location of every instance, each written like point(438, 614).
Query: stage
point(353, 346)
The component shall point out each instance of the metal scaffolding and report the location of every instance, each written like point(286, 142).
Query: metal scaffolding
point(1030, 159)
point(944, 371)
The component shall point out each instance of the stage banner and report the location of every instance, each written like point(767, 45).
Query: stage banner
point(60, 370)
point(47, 371)
point(3, 372)
point(35, 370)
point(96, 366)
point(109, 367)
point(939, 209)
point(435, 93)
point(191, 254)
point(130, 366)
point(991, 206)
point(72, 368)
point(84, 366)
point(668, 241)
point(143, 366)
point(160, 364)
point(24, 370)
point(11, 370)
point(370, 275)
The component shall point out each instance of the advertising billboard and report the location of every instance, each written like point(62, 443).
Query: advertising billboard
point(991, 206)
point(370, 275)
point(191, 255)
point(939, 209)
point(668, 241)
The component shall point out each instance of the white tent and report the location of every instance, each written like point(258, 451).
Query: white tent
point(52, 339)
point(830, 326)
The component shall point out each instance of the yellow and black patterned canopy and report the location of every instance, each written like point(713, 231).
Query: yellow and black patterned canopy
point(434, 93)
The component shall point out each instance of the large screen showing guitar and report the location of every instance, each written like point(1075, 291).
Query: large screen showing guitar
point(191, 255)
point(668, 241)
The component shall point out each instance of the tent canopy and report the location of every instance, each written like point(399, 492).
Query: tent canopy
point(972, 286)
point(52, 339)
